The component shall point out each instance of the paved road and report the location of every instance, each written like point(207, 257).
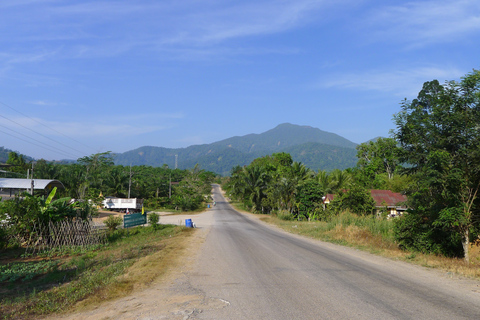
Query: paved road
point(258, 272)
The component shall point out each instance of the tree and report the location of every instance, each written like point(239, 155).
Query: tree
point(255, 180)
point(380, 156)
point(19, 165)
point(309, 198)
point(339, 180)
point(94, 166)
point(356, 199)
point(439, 133)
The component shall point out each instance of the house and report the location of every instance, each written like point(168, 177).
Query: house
point(385, 200)
point(392, 202)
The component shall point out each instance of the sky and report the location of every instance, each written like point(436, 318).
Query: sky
point(81, 77)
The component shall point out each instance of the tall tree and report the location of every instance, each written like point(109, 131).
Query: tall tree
point(18, 163)
point(439, 133)
point(380, 156)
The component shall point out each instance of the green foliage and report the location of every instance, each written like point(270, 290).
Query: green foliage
point(285, 215)
point(380, 156)
point(313, 147)
point(439, 134)
point(36, 289)
point(113, 222)
point(3, 236)
point(371, 223)
point(153, 219)
point(356, 199)
point(26, 271)
point(18, 162)
point(309, 199)
point(414, 231)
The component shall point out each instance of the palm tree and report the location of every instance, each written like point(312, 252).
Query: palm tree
point(340, 180)
point(255, 180)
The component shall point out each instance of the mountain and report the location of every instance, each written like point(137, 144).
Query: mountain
point(4, 155)
point(317, 149)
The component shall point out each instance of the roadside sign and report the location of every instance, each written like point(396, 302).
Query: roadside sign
point(134, 219)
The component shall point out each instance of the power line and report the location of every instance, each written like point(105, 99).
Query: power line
point(43, 143)
point(6, 105)
point(69, 155)
point(80, 152)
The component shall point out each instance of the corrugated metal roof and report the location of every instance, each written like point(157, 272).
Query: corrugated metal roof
point(388, 198)
point(7, 183)
point(382, 198)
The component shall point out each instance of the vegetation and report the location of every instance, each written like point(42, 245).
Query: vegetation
point(38, 281)
point(439, 135)
point(86, 182)
point(317, 149)
point(95, 176)
point(276, 184)
point(433, 157)
point(52, 284)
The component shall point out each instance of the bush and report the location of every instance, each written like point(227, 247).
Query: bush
point(153, 219)
point(413, 231)
point(3, 237)
point(357, 200)
point(113, 222)
point(285, 215)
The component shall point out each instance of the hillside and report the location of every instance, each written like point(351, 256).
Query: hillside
point(317, 149)
point(4, 155)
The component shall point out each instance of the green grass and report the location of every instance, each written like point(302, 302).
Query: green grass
point(41, 285)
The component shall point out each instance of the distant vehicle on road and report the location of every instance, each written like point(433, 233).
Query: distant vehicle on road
point(125, 205)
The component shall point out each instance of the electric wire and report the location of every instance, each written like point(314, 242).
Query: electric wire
point(43, 143)
point(41, 134)
point(32, 142)
point(6, 105)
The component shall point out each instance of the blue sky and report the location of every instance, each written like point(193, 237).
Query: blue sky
point(82, 77)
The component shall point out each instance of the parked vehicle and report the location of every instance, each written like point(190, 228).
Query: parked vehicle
point(125, 205)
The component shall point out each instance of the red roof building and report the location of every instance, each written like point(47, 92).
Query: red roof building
point(385, 200)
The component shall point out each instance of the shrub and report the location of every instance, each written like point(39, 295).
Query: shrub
point(153, 219)
point(285, 215)
point(3, 237)
point(113, 222)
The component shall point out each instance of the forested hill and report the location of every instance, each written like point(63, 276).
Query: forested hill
point(315, 148)
point(4, 155)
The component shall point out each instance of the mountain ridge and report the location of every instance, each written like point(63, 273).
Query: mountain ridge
point(317, 149)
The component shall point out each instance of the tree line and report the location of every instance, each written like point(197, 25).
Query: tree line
point(87, 182)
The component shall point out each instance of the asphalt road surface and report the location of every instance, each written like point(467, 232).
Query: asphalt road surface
point(255, 271)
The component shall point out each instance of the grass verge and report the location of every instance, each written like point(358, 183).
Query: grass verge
point(133, 258)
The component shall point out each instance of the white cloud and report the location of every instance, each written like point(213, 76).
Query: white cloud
point(424, 22)
point(108, 27)
point(404, 82)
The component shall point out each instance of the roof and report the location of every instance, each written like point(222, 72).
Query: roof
point(382, 198)
point(388, 198)
point(7, 183)
point(329, 197)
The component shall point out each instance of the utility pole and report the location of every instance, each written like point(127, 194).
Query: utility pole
point(170, 188)
point(176, 161)
point(32, 182)
point(129, 181)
